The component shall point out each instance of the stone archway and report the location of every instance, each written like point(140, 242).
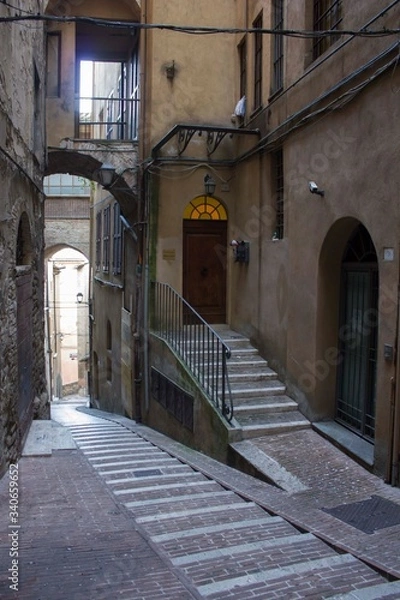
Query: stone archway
point(24, 322)
point(328, 315)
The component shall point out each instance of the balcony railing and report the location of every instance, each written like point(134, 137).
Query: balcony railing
point(194, 340)
point(107, 118)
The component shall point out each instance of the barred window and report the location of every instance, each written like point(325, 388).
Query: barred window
point(243, 68)
point(277, 48)
point(98, 241)
point(327, 17)
point(117, 240)
point(277, 177)
point(258, 43)
point(106, 239)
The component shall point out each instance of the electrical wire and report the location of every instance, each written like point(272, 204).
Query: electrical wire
point(204, 30)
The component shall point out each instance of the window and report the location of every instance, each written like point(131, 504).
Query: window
point(277, 178)
point(63, 184)
point(98, 240)
point(53, 64)
point(109, 352)
point(257, 63)
point(134, 96)
point(106, 239)
point(242, 67)
point(117, 240)
point(277, 47)
point(327, 16)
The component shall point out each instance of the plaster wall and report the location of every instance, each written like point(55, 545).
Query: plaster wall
point(203, 88)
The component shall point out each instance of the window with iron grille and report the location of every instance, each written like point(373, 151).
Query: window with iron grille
point(98, 241)
point(117, 240)
point(277, 47)
point(243, 68)
point(277, 177)
point(327, 17)
point(53, 64)
point(257, 63)
point(106, 239)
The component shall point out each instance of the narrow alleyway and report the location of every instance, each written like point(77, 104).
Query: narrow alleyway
point(111, 509)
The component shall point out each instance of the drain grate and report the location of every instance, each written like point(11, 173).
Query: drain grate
point(147, 473)
point(368, 515)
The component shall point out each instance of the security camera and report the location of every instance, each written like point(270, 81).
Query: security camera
point(314, 188)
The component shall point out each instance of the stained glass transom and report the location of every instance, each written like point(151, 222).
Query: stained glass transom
point(205, 208)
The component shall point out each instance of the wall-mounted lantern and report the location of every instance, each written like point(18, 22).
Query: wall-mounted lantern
point(79, 297)
point(170, 70)
point(105, 175)
point(209, 185)
point(241, 251)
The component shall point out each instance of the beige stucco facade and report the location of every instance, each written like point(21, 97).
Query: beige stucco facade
point(335, 121)
point(328, 112)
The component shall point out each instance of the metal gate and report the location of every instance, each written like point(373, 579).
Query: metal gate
point(356, 389)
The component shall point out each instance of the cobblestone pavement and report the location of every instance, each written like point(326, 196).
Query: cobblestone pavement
point(131, 514)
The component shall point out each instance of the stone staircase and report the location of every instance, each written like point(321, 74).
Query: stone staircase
point(261, 406)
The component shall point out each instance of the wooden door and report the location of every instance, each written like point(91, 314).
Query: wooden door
point(204, 268)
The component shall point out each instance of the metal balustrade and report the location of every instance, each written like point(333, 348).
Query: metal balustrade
point(195, 342)
point(107, 118)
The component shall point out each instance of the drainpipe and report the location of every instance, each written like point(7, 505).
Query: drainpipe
point(395, 413)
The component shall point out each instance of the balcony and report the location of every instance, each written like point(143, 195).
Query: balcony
point(107, 118)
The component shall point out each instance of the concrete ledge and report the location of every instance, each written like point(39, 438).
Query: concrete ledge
point(351, 443)
point(46, 436)
point(269, 467)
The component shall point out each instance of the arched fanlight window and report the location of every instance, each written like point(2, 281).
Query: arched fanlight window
point(205, 208)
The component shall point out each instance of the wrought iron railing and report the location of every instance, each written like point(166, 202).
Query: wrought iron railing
point(107, 118)
point(194, 340)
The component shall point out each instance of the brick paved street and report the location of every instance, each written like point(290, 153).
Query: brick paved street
point(131, 514)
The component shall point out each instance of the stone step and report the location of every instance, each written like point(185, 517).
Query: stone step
point(201, 540)
point(388, 591)
point(275, 418)
point(317, 578)
point(249, 361)
point(171, 490)
point(260, 429)
point(239, 560)
point(280, 402)
point(177, 523)
point(162, 507)
point(263, 407)
point(273, 387)
point(259, 374)
point(154, 479)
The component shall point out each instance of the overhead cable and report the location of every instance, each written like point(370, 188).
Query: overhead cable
point(203, 30)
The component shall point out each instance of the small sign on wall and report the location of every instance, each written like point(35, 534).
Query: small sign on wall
point(169, 254)
point(388, 254)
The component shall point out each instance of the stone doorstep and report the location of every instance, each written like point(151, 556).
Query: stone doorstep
point(348, 441)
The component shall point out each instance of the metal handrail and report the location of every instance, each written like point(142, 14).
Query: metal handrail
point(196, 342)
point(107, 118)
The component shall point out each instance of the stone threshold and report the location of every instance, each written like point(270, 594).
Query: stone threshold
point(351, 443)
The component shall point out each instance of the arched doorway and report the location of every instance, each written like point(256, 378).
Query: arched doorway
point(24, 253)
point(356, 385)
point(204, 257)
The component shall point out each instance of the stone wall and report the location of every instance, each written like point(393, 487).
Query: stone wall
point(22, 157)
